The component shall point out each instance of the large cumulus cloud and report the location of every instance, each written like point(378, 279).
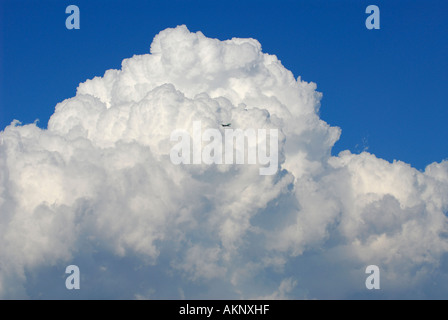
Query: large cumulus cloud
point(97, 189)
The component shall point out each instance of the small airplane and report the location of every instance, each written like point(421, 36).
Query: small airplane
point(226, 125)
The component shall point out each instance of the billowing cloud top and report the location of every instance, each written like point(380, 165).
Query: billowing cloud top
point(97, 189)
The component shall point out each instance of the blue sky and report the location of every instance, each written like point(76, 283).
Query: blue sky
point(97, 189)
point(385, 88)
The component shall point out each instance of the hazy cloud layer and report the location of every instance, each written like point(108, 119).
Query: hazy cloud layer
point(97, 189)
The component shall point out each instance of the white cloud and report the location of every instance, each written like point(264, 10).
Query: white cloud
point(285, 287)
point(98, 189)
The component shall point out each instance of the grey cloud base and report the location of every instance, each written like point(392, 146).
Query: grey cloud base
point(97, 189)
